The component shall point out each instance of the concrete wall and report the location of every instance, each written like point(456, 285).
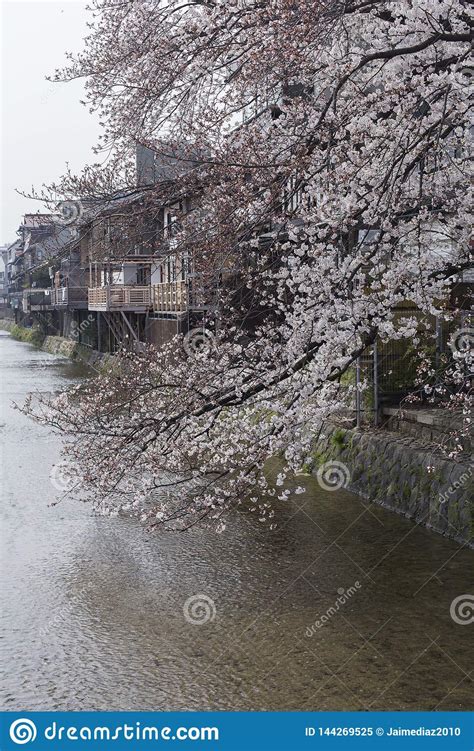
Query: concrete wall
point(156, 274)
point(432, 425)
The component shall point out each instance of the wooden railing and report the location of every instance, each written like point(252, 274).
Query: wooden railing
point(97, 297)
point(169, 296)
point(117, 296)
point(137, 296)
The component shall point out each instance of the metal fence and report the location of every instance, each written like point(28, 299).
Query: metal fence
point(389, 371)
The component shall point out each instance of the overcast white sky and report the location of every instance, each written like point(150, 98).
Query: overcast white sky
point(43, 124)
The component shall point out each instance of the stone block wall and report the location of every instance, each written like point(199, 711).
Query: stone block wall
point(404, 475)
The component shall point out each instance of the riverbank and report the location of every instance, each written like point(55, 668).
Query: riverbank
point(100, 614)
point(401, 473)
point(55, 345)
point(20, 333)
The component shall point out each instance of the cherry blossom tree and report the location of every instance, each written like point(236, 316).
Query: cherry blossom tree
point(324, 148)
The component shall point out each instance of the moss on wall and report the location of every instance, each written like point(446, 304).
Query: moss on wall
point(403, 475)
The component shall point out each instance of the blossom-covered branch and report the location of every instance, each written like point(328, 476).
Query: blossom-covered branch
point(323, 149)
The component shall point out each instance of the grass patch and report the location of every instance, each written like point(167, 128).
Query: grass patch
point(338, 439)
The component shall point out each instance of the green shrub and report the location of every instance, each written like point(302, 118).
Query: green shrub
point(32, 336)
point(338, 439)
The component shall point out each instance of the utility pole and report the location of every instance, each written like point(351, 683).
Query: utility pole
point(357, 395)
point(376, 387)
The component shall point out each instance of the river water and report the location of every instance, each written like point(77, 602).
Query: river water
point(92, 607)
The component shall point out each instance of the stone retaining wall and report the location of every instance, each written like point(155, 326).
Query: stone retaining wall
point(404, 475)
point(57, 345)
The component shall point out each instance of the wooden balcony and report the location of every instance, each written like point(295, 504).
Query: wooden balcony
point(119, 297)
point(36, 299)
point(72, 297)
point(169, 297)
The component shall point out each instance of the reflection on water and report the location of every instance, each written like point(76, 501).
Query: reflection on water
point(92, 613)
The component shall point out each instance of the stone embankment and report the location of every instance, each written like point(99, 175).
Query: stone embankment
point(405, 475)
point(55, 345)
point(399, 471)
